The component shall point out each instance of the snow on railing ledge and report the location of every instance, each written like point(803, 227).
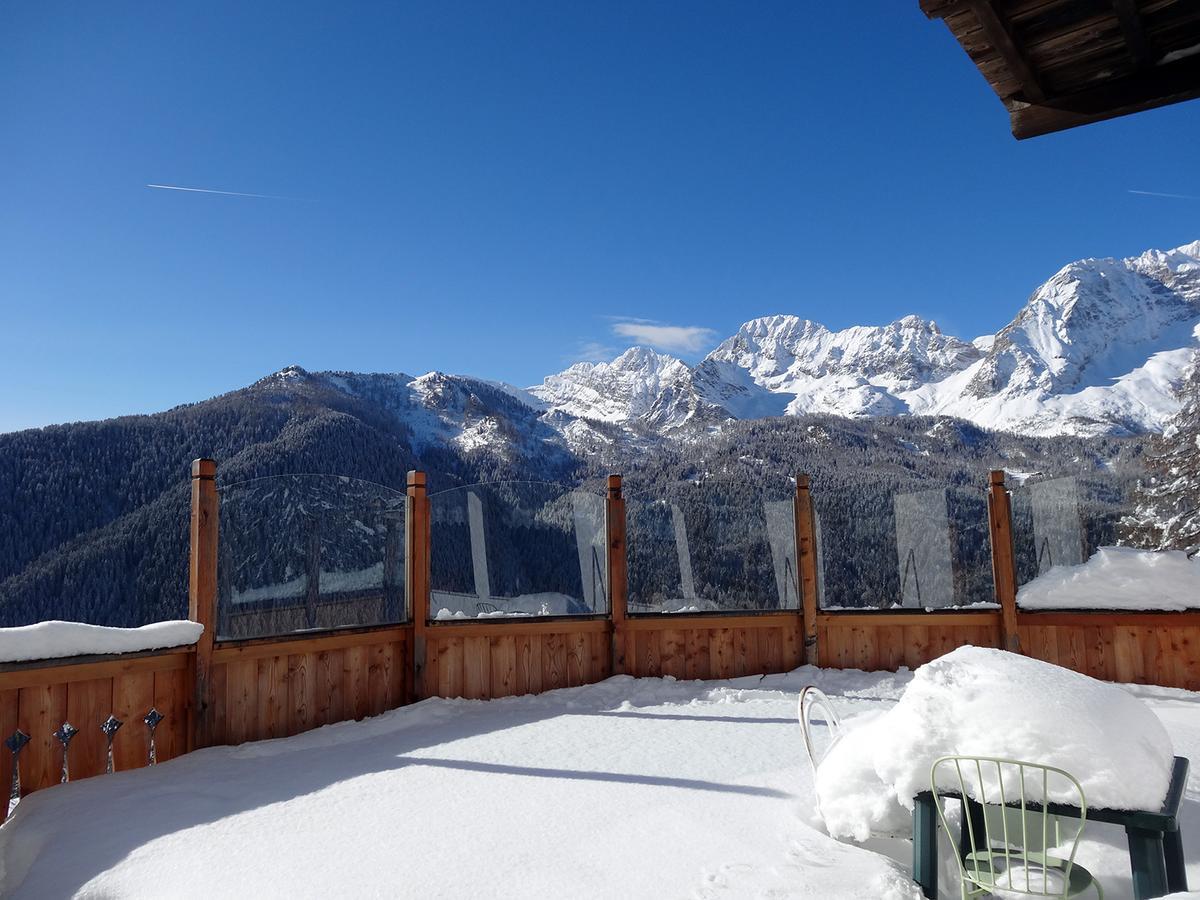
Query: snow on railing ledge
point(56, 639)
point(1118, 579)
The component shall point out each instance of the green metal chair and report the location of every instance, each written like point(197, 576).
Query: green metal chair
point(1008, 842)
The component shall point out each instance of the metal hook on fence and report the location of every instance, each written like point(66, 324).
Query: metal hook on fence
point(64, 734)
point(110, 726)
point(152, 719)
point(15, 742)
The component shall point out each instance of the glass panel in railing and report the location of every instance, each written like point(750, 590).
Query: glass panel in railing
point(920, 548)
point(304, 552)
point(711, 546)
point(1085, 542)
point(517, 548)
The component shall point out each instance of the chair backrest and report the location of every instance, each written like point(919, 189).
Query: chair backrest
point(815, 711)
point(1007, 841)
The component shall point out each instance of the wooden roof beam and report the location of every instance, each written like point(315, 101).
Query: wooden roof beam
point(1002, 41)
point(1148, 89)
point(1135, 34)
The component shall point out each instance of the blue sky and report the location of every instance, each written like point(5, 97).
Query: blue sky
point(501, 188)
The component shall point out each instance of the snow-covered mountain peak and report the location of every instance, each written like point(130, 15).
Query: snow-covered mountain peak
point(626, 388)
point(1185, 258)
point(645, 361)
point(784, 352)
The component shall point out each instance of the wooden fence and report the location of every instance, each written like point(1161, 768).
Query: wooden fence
point(227, 692)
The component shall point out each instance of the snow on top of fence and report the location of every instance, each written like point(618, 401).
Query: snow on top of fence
point(1119, 578)
point(56, 639)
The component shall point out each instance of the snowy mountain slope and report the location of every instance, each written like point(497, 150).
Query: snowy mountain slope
point(1100, 348)
point(786, 352)
point(657, 390)
point(1168, 509)
point(439, 409)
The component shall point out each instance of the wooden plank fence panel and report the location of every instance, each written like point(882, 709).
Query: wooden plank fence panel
point(241, 701)
point(536, 681)
point(1097, 653)
point(354, 682)
point(41, 710)
point(402, 660)
point(649, 654)
point(218, 732)
point(132, 699)
point(503, 649)
point(89, 703)
point(601, 657)
point(1163, 659)
point(477, 668)
point(770, 649)
point(1071, 649)
point(330, 704)
point(301, 692)
point(672, 650)
point(1190, 658)
point(916, 645)
point(695, 665)
point(554, 662)
point(172, 698)
point(394, 660)
point(577, 673)
point(1127, 655)
point(865, 654)
point(891, 647)
point(450, 667)
point(272, 711)
point(793, 650)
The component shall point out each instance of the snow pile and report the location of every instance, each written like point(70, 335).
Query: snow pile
point(984, 702)
point(1118, 578)
point(54, 639)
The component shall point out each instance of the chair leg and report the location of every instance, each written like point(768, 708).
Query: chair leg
point(1147, 862)
point(925, 834)
point(1176, 869)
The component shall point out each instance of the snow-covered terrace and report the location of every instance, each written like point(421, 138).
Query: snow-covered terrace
point(627, 788)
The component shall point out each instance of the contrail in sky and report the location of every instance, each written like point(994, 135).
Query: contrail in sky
point(175, 187)
point(1172, 196)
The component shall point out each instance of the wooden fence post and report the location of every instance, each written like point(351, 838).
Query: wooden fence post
point(618, 572)
point(806, 563)
point(1004, 570)
point(416, 574)
point(202, 597)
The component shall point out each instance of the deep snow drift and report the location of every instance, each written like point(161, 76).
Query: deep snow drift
point(1118, 578)
point(630, 788)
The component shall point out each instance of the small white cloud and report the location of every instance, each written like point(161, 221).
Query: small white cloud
point(679, 338)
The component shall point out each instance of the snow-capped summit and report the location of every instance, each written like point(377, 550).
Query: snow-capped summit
point(620, 391)
point(1182, 259)
point(1099, 348)
point(784, 353)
